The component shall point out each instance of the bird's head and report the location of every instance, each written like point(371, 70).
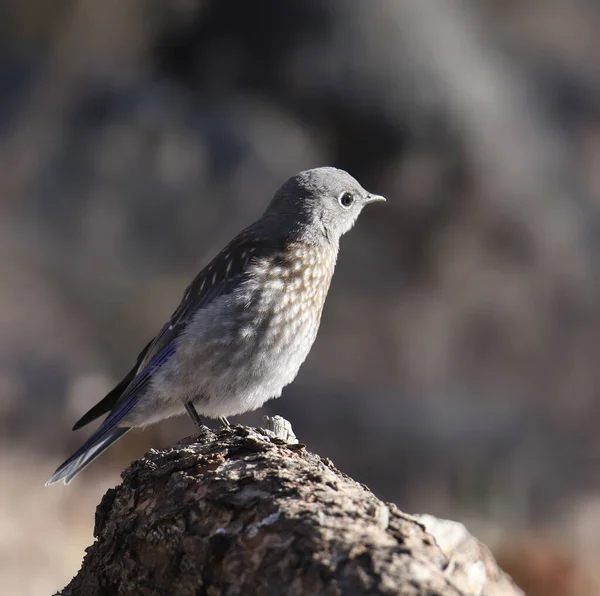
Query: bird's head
point(319, 204)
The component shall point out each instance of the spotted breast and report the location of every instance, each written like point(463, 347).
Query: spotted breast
point(246, 346)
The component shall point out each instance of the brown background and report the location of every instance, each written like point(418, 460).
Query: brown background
point(460, 342)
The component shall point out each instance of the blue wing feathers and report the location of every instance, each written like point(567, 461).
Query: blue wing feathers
point(132, 394)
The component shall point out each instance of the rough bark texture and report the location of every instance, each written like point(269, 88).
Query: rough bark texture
point(241, 512)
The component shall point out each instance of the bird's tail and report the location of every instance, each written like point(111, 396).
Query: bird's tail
point(87, 453)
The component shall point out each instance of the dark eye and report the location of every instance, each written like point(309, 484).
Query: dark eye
point(346, 199)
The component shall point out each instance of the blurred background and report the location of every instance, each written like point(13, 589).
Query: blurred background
point(457, 369)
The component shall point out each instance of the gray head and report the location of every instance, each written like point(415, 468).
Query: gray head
point(319, 205)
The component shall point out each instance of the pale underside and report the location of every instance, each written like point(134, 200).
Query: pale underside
point(244, 347)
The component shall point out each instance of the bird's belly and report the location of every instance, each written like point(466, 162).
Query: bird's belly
point(232, 360)
point(262, 373)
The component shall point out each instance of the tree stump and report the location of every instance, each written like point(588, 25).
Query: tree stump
point(240, 511)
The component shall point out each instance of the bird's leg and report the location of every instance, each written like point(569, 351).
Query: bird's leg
point(224, 422)
point(189, 406)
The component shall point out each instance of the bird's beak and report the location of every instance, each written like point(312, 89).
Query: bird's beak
point(374, 199)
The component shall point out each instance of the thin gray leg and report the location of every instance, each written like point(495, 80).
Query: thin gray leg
point(189, 406)
point(224, 422)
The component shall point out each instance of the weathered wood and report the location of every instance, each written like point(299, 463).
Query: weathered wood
point(239, 511)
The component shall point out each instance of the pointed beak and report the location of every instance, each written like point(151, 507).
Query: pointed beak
point(374, 199)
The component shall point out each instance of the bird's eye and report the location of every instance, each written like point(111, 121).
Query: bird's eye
point(346, 199)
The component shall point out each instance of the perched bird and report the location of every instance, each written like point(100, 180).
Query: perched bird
point(245, 324)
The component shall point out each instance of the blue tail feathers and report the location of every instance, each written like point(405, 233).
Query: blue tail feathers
point(87, 453)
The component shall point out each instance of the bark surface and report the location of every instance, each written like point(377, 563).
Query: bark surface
point(241, 512)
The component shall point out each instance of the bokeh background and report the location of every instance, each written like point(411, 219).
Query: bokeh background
point(457, 371)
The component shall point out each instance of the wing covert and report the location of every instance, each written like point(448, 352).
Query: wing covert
point(218, 278)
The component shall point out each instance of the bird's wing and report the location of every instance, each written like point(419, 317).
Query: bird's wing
point(111, 398)
point(218, 278)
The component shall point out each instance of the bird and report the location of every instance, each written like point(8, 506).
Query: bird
point(245, 324)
